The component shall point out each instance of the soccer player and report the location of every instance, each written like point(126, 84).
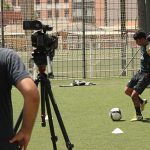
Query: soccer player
point(13, 73)
point(141, 79)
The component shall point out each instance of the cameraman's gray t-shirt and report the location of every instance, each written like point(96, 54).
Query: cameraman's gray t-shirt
point(12, 70)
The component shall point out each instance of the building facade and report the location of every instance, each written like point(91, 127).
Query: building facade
point(96, 12)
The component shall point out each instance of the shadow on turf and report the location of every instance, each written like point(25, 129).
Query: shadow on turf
point(119, 121)
point(146, 120)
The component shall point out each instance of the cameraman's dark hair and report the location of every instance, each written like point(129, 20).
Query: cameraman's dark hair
point(139, 35)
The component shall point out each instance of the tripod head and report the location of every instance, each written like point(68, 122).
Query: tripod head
point(43, 59)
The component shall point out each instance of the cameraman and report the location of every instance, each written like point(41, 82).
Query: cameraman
point(13, 72)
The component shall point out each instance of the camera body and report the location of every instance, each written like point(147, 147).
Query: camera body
point(40, 39)
point(44, 44)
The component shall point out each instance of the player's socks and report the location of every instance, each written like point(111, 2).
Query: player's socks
point(138, 111)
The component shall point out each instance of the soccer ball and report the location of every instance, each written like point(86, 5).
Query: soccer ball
point(115, 114)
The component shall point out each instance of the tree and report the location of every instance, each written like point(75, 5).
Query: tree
point(7, 6)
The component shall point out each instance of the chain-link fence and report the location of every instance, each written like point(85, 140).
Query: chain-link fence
point(94, 36)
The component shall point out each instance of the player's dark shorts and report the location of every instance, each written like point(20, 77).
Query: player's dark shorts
point(139, 81)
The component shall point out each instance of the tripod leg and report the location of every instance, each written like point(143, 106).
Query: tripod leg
point(53, 136)
point(43, 96)
point(61, 124)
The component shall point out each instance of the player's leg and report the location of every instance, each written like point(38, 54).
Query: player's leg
point(136, 102)
point(139, 103)
point(128, 91)
point(143, 82)
point(130, 85)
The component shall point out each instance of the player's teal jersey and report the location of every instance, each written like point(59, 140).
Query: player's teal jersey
point(145, 59)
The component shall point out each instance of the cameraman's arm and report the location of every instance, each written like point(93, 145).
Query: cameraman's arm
point(31, 103)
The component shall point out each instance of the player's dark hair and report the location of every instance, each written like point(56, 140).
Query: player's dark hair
point(139, 35)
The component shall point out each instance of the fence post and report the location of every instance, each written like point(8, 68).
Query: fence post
point(2, 24)
point(27, 9)
point(83, 39)
point(91, 59)
point(123, 35)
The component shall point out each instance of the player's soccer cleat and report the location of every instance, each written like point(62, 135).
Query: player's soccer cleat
point(143, 105)
point(137, 118)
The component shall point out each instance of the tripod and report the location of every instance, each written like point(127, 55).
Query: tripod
point(46, 96)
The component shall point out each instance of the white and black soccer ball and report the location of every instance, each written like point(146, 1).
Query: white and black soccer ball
point(115, 114)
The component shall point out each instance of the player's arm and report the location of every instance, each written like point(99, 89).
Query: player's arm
point(30, 93)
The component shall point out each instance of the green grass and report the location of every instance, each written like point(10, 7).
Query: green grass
point(84, 111)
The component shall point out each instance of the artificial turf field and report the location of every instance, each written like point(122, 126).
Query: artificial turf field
point(84, 110)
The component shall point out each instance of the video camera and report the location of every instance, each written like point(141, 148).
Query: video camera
point(44, 44)
point(40, 39)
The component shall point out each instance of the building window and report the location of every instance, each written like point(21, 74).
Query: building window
point(57, 13)
point(49, 1)
point(49, 13)
point(19, 2)
point(14, 2)
point(37, 1)
point(56, 1)
point(77, 12)
point(38, 14)
point(66, 12)
point(76, 1)
point(89, 12)
point(65, 1)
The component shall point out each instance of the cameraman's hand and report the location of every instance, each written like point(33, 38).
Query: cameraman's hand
point(22, 139)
